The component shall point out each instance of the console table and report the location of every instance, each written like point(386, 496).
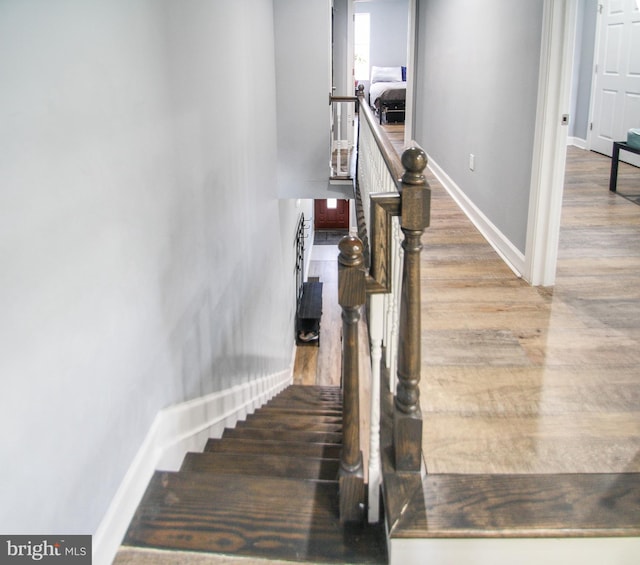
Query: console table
point(615, 157)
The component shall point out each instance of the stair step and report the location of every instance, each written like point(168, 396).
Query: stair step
point(274, 409)
point(291, 448)
point(553, 505)
point(302, 415)
point(262, 464)
point(239, 515)
point(309, 396)
point(293, 425)
point(283, 435)
point(311, 391)
point(305, 407)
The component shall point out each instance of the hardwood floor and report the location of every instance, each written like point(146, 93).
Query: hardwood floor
point(535, 380)
point(517, 379)
point(321, 365)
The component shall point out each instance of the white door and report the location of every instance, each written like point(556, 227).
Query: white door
point(617, 81)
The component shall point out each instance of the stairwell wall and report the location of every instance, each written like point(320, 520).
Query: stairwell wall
point(146, 259)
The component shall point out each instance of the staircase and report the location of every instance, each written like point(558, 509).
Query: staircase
point(267, 489)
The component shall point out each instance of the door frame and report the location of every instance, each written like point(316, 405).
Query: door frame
point(411, 63)
point(594, 79)
point(550, 141)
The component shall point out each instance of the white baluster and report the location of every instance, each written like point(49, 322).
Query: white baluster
point(375, 472)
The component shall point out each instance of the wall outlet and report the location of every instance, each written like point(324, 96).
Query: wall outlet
point(472, 161)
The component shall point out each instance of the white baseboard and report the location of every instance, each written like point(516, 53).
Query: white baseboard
point(577, 142)
point(507, 551)
point(512, 256)
point(175, 431)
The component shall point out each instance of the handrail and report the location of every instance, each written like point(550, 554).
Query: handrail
point(394, 206)
point(343, 109)
point(333, 99)
point(388, 152)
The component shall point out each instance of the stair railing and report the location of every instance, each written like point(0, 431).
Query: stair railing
point(343, 110)
point(393, 200)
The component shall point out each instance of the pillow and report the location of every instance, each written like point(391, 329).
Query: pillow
point(386, 74)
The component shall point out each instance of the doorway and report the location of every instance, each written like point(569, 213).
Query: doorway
point(616, 106)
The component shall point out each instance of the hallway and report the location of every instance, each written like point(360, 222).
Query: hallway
point(518, 379)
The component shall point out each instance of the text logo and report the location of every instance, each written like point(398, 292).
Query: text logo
point(46, 550)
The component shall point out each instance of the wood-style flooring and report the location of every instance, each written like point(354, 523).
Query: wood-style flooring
point(517, 379)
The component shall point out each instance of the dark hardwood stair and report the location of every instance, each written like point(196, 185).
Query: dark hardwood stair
point(294, 424)
point(291, 448)
point(282, 435)
point(267, 489)
point(262, 464)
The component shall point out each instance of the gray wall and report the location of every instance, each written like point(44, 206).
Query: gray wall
point(303, 69)
point(146, 258)
point(476, 91)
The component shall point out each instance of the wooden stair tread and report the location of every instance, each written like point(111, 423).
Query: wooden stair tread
point(292, 448)
point(239, 515)
point(311, 396)
point(294, 425)
point(311, 390)
point(283, 435)
point(321, 411)
point(307, 407)
point(262, 465)
point(267, 416)
point(266, 489)
point(554, 505)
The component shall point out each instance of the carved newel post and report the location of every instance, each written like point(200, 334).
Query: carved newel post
point(414, 218)
point(351, 296)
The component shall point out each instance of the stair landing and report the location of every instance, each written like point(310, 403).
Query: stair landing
point(502, 519)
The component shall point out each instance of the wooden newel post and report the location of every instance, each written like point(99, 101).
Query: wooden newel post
point(414, 218)
point(351, 296)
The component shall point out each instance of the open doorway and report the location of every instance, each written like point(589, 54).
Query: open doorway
point(616, 81)
point(381, 58)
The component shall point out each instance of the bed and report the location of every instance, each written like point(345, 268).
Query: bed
point(388, 92)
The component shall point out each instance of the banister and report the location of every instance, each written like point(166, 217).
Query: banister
point(412, 205)
point(333, 99)
point(393, 211)
point(342, 160)
point(388, 152)
point(351, 296)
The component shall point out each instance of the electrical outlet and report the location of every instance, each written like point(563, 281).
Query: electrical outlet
point(472, 161)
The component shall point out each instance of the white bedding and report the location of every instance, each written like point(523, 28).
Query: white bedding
point(377, 88)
